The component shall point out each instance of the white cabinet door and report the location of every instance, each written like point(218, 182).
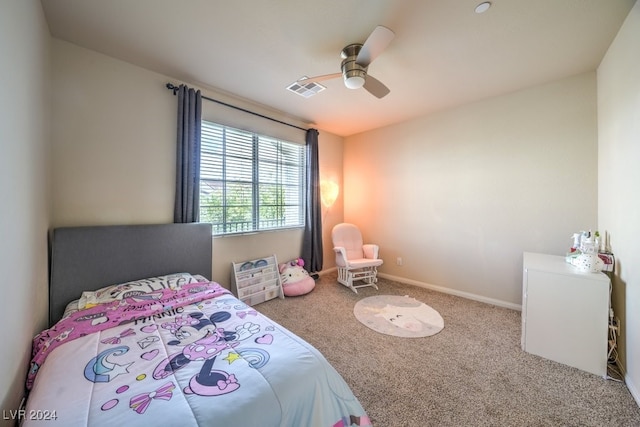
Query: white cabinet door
point(565, 313)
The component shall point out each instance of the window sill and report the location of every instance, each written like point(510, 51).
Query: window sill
point(249, 233)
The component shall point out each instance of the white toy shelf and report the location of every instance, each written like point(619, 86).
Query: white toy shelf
point(257, 280)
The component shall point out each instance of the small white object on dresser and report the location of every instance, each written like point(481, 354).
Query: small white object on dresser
point(257, 280)
point(565, 313)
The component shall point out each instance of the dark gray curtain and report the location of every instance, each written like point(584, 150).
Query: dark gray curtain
point(312, 240)
point(188, 156)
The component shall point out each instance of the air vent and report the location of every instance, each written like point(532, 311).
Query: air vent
point(305, 90)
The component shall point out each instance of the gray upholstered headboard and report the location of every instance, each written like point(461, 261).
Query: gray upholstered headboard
point(88, 258)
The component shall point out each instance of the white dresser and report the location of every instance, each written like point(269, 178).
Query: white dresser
point(565, 313)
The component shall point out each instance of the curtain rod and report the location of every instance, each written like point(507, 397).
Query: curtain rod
point(174, 88)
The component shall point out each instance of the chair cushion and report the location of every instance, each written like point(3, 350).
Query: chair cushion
point(364, 262)
point(348, 237)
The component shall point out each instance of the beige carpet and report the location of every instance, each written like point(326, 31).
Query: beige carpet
point(472, 373)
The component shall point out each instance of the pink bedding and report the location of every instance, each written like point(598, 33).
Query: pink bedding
point(196, 356)
point(136, 310)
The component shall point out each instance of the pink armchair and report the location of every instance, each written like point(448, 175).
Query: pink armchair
point(356, 261)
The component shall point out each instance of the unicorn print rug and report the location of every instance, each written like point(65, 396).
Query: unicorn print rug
point(401, 316)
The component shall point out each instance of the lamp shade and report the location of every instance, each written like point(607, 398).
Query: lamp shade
point(329, 192)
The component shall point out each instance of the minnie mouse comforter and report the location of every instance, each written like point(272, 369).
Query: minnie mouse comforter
point(195, 356)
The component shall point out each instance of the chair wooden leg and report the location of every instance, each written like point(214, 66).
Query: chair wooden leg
point(367, 275)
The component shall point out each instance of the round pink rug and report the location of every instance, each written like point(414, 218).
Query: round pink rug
point(400, 316)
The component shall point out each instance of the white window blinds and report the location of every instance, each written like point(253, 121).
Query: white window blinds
point(249, 182)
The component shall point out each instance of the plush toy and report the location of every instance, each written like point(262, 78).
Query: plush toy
point(296, 262)
point(295, 279)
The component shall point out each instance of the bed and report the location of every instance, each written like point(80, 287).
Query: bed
point(139, 336)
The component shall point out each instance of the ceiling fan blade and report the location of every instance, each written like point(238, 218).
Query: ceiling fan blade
point(375, 44)
point(375, 87)
point(304, 81)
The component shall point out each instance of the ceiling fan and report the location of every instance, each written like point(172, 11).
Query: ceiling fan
point(356, 58)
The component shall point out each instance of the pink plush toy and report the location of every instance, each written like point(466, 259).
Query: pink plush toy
point(295, 279)
point(298, 261)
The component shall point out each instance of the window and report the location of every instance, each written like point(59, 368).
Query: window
point(249, 182)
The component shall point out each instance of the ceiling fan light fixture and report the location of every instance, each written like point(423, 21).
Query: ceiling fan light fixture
point(356, 58)
point(354, 82)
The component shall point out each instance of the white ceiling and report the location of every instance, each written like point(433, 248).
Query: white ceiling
point(444, 54)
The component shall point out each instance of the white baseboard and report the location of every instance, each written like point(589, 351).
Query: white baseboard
point(450, 291)
point(632, 389)
point(327, 271)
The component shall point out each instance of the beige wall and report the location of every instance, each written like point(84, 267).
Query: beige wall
point(24, 190)
point(619, 175)
point(113, 135)
point(114, 151)
point(459, 195)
